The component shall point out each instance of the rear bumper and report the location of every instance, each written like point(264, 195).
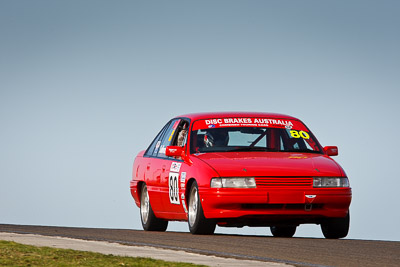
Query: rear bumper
point(276, 204)
point(134, 191)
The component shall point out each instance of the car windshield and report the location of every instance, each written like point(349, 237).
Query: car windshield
point(283, 136)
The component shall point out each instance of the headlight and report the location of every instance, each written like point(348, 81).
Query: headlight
point(234, 182)
point(331, 182)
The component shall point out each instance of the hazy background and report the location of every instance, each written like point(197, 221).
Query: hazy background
point(86, 85)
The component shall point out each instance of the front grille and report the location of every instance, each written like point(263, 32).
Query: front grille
point(304, 182)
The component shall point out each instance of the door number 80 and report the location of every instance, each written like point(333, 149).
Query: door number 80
point(173, 185)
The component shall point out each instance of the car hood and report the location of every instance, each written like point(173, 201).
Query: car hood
point(228, 164)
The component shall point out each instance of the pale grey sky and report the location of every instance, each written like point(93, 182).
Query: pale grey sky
point(86, 85)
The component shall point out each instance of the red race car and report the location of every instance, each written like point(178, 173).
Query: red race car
point(240, 169)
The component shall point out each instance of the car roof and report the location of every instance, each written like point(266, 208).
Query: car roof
point(211, 115)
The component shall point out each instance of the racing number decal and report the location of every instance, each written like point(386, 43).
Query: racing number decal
point(173, 182)
point(173, 185)
point(298, 134)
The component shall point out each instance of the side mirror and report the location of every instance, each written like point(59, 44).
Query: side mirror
point(331, 150)
point(174, 151)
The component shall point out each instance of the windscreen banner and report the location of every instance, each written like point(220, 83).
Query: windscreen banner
point(248, 122)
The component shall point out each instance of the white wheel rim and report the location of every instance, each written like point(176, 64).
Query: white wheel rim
point(145, 206)
point(193, 205)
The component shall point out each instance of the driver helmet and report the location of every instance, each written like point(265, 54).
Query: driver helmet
point(216, 137)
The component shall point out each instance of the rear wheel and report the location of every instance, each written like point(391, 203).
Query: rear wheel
point(283, 231)
point(334, 228)
point(149, 221)
point(198, 224)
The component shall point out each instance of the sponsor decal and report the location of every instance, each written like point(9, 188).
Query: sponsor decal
point(157, 148)
point(170, 137)
point(176, 124)
point(248, 121)
point(158, 144)
point(173, 150)
point(183, 177)
point(297, 157)
point(243, 122)
point(184, 206)
point(298, 134)
point(162, 149)
point(173, 129)
point(175, 166)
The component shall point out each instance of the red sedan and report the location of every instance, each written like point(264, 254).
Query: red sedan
point(240, 169)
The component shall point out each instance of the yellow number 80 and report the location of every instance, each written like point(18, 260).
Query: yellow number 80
point(302, 134)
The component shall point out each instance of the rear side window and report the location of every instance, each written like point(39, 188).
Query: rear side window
point(152, 150)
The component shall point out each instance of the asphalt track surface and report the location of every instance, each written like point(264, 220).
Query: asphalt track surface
point(295, 251)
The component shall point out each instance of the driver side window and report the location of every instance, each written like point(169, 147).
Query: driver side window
point(168, 138)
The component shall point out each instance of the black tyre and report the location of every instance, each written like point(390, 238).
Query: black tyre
point(334, 228)
point(149, 221)
point(283, 231)
point(198, 224)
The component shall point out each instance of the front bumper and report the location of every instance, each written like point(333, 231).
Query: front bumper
point(300, 204)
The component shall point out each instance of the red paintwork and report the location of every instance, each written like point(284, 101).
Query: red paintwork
point(264, 205)
point(230, 164)
point(331, 150)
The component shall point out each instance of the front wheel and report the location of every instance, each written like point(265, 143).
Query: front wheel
point(283, 231)
point(334, 228)
point(149, 221)
point(198, 224)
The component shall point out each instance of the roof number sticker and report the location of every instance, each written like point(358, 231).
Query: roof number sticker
point(298, 134)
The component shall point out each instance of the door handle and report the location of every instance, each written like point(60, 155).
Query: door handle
point(148, 166)
point(163, 168)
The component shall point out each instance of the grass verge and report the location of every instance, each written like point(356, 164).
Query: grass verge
point(15, 254)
